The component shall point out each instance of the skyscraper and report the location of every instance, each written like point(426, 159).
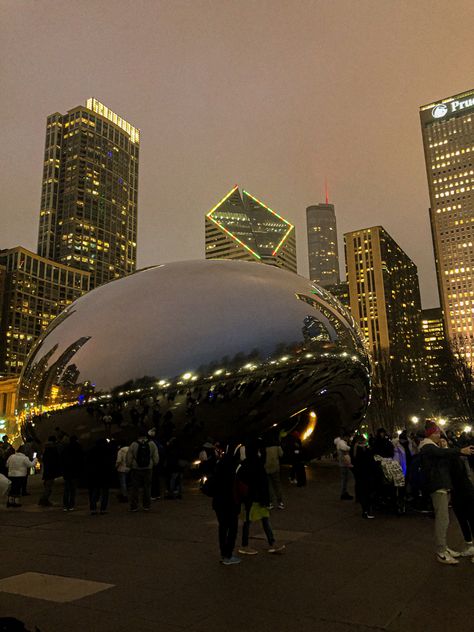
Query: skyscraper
point(88, 216)
point(448, 140)
point(434, 343)
point(385, 297)
point(35, 291)
point(241, 227)
point(322, 244)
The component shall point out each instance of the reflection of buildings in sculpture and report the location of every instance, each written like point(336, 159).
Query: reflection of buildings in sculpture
point(241, 227)
point(52, 386)
point(434, 342)
point(249, 370)
point(36, 290)
point(385, 297)
point(448, 139)
point(8, 391)
point(341, 292)
point(314, 331)
point(89, 194)
point(322, 244)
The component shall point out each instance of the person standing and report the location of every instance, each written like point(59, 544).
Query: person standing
point(273, 454)
point(436, 464)
point(51, 464)
point(226, 504)
point(123, 473)
point(142, 456)
point(462, 501)
point(344, 462)
point(6, 450)
point(256, 501)
point(18, 465)
point(365, 472)
point(100, 470)
point(295, 450)
point(72, 460)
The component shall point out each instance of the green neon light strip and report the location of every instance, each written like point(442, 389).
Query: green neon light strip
point(223, 200)
point(234, 237)
point(268, 208)
point(281, 242)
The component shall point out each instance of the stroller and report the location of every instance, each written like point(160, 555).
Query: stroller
point(390, 486)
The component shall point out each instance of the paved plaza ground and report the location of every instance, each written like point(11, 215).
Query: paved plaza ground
point(159, 571)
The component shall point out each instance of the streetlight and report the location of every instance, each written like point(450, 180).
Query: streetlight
point(467, 428)
point(414, 419)
point(442, 422)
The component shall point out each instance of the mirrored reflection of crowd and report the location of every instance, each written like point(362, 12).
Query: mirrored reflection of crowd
point(424, 471)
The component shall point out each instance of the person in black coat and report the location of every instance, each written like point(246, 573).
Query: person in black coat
point(382, 444)
point(462, 501)
point(51, 466)
point(72, 459)
point(226, 503)
point(100, 470)
point(365, 474)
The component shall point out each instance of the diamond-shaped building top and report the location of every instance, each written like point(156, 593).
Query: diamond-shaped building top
point(241, 227)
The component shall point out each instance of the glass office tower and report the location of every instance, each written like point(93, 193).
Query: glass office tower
point(322, 244)
point(448, 140)
point(242, 227)
point(88, 216)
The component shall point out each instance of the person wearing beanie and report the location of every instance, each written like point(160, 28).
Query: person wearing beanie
point(436, 463)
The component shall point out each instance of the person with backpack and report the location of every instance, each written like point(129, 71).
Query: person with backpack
point(142, 456)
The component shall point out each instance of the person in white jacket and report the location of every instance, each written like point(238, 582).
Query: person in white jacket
point(18, 465)
point(344, 462)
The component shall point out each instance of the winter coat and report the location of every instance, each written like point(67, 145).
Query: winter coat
point(18, 464)
point(72, 459)
point(51, 462)
point(436, 464)
point(100, 465)
point(224, 480)
point(252, 473)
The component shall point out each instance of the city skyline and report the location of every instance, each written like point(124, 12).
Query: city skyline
point(271, 104)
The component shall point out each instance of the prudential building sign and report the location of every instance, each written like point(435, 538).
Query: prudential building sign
point(443, 109)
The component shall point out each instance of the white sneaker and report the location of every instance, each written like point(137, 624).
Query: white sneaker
point(468, 551)
point(453, 553)
point(446, 558)
point(248, 550)
point(276, 548)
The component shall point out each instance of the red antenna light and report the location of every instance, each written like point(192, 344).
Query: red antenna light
point(326, 189)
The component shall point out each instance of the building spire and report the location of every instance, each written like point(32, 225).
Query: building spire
point(326, 190)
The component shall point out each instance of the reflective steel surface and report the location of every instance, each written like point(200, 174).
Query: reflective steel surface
point(199, 349)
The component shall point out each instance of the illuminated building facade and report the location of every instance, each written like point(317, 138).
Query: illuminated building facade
point(243, 228)
point(36, 290)
point(88, 216)
point(448, 139)
point(322, 244)
point(434, 343)
point(385, 297)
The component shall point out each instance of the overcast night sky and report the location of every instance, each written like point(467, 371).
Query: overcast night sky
point(273, 96)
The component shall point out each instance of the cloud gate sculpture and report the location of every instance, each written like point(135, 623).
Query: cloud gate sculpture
point(199, 349)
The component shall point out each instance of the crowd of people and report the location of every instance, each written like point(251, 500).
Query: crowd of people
point(429, 469)
point(145, 466)
point(426, 471)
